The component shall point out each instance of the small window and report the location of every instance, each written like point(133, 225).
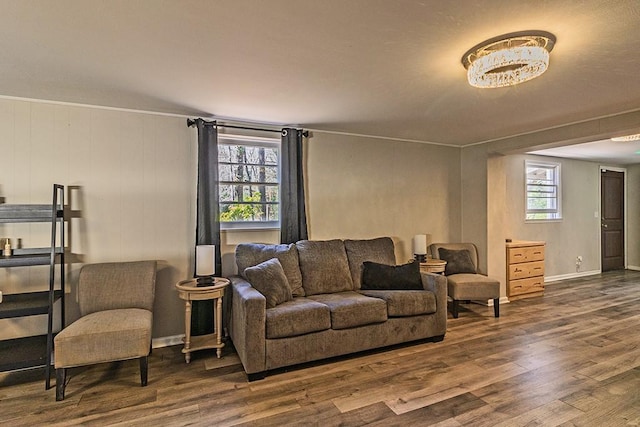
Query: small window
point(543, 191)
point(249, 174)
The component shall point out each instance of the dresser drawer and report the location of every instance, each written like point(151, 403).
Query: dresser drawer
point(526, 286)
point(527, 269)
point(525, 254)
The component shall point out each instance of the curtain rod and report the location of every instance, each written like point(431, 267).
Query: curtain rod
point(192, 122)
point(249, 128)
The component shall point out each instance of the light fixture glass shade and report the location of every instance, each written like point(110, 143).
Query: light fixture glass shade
point(627, 138)
point(519, 64)
point(509, 59)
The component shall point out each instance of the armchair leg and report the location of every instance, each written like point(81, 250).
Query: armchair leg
point(455, 305)
point(61, 378)
point(496, 307)
point(144, 369)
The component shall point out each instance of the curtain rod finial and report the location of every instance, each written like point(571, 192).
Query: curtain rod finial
point(190, 122)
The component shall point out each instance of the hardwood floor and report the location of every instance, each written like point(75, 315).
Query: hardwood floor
point(570, 358)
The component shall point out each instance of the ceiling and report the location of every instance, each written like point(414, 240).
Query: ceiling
point(370, 67)
point(606, 152)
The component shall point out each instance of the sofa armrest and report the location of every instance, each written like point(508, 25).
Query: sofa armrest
point(437, 284)
point(248, 324)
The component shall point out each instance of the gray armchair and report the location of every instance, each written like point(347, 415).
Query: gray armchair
point(465, 282)
point(116, 308)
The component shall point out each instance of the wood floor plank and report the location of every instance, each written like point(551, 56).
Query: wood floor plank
point(552, 414)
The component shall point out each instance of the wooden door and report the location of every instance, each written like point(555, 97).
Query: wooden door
point(612, 220)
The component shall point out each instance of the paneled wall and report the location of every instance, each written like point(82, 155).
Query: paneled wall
point(129, 179)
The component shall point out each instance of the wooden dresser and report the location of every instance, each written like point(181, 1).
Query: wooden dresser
point(525, 269)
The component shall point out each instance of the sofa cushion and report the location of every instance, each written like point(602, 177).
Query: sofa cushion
point(398, 277)
point(458, 261)
point(269, 279)
point(350, 309)
point(405, 303)
point(378, 250)
point(472, 286)
point(250, 254)
point(297, 317)
point(324, 266)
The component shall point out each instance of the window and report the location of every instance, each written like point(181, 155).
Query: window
point(543, 191)
point(249, 174)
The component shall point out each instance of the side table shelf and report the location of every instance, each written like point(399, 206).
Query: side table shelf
point(189, 291)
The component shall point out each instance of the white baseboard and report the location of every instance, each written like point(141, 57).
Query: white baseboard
point(633, 267)
point(489, 302)
point(167, 341)
point(548, 279)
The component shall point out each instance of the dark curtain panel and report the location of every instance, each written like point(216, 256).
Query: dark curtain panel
point(293, 218)
point(207, 216)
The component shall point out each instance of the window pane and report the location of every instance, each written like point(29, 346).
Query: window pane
point(255, 169)
point(542, 189)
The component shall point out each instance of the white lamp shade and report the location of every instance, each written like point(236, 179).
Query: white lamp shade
point(420, 244)
point(205, 260)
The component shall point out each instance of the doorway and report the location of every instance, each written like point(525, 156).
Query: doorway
point(612, 223)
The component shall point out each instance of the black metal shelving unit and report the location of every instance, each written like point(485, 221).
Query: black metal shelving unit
point(35, 351)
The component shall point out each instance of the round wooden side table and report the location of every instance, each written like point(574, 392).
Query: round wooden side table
point(433, 266)
point(189, 291)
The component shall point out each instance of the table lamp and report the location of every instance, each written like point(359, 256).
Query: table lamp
point(420, 247)
point(205, 264)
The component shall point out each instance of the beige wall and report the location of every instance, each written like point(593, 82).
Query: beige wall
point(474, 193)
point(493, 198)
point(131, 177)
point(496, 218)
point(633, 216)
point(578, 231)
point(359, 187)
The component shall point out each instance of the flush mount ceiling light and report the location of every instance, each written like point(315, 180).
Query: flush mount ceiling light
point(627, 138)
point(508, 59)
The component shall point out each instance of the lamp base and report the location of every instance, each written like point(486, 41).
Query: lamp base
point(202, 281)
point(421, 257)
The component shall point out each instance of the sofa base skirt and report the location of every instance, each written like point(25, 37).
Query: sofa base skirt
point(331, 343)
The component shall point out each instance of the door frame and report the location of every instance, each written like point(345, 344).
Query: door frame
point(601, 169)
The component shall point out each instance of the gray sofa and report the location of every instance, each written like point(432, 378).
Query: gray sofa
point(324, 312)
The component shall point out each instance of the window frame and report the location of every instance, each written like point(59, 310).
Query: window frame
point(552, 214)
point(252, 141)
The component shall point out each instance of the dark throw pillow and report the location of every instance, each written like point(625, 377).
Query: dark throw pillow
point(395, 277)
point(269, 279)
point(458, 261)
